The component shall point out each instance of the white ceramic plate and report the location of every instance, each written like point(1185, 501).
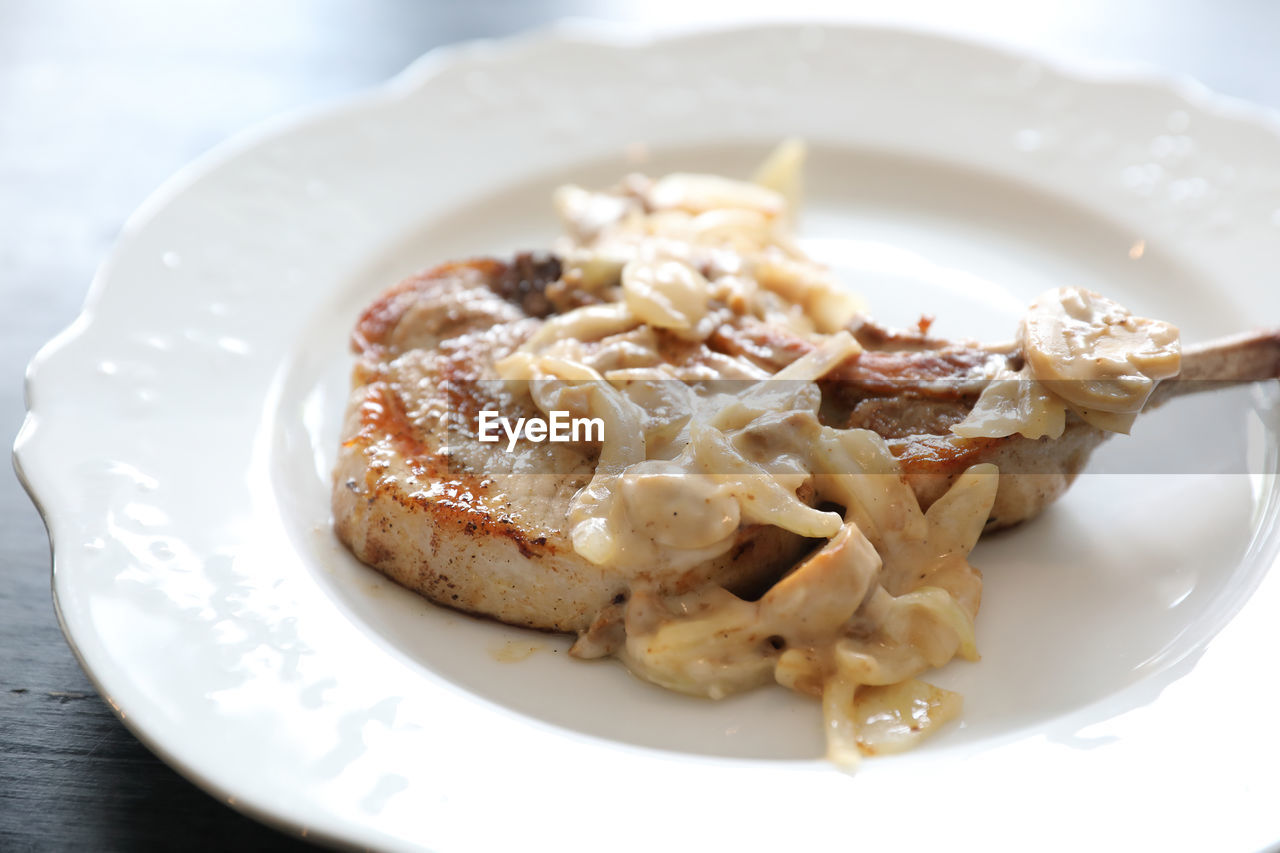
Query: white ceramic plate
point(182, 432)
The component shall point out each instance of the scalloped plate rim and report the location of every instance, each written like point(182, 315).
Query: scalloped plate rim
point(417, 75)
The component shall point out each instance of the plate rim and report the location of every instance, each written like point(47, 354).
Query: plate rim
point(422, 72)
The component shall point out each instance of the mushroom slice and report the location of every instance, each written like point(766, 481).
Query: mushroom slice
point(1095, 354)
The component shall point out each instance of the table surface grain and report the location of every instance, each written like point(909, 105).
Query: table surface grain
point(100, 102)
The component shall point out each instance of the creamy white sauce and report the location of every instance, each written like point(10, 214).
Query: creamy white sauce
point(687, 461)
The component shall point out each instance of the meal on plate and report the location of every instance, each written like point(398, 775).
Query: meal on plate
point(682, 440)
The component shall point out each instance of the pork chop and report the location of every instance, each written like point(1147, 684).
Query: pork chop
point(417, 496)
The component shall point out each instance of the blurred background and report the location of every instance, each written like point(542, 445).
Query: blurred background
point(101, 102)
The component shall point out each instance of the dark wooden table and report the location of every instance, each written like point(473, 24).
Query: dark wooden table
point(100, 102)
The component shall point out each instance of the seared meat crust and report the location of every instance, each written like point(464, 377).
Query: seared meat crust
point(466, 524)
